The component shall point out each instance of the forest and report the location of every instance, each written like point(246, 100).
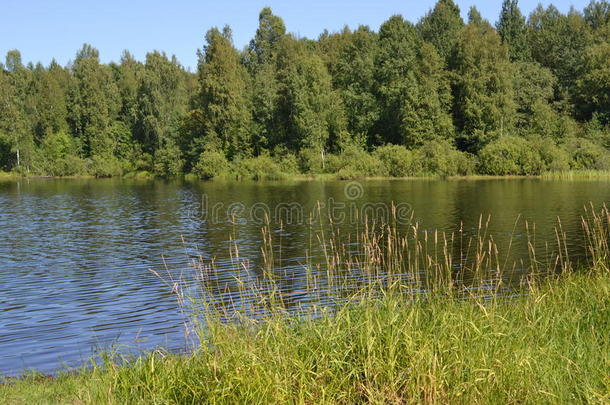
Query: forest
point(443, 96)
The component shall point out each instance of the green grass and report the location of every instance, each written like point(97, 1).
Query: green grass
point(551, 346)
point(578, 175)
point(545, 342)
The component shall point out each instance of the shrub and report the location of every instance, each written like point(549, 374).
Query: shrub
point(511, 155)
point(586, 154)
point(262, 167)
point(168, 160)
point(554, 158)
point(397, 160)
point(287, 161)
point(211, 164)
point(55, 156)
point(311, 161)
point(105, 166)
point(355, 162)
point(441, 158)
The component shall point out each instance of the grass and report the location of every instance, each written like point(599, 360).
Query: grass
point(577, 175)
point(452, 333)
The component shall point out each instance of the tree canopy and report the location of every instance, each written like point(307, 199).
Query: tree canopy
point(437, 95)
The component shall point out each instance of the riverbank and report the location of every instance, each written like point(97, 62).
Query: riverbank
point(548, 346)
point(562, 175)
point(432, 337)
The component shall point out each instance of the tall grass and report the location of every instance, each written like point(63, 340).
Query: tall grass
point(577, 175)
point(392, 316)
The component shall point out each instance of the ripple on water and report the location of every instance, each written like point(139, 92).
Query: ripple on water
point(75, 254)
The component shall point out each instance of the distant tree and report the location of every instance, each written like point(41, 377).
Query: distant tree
point(353, 74)
point(597, 14)
point(223, 95)
point(16, 113)
point(262, 62)
point(310, 114)
point(412, 90)
point(483, 93)
point(263, 47)
point(441, 26)
point(557, 42)
point(93, 104)
point(593, 85)
point(512, 30)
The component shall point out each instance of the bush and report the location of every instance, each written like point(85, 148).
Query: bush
point(211, 164)
point(168, 161)
point(287, 161)
point(511, 155)
point(56, 157)
point(554, 158)
point(105, 166)
point(441, 158)
point(397, 160)
point(311, 161)
point(262, 167)
point(587, 155)
point(355, 162)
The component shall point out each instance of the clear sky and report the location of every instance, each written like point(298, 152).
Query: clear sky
point(43, 29)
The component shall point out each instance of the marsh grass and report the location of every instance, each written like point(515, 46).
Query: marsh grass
point(392, 316)
point(577, 175)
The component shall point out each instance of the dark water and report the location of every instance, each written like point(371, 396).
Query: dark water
point(75, 254)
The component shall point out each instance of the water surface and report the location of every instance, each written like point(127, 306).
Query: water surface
point(75, 254)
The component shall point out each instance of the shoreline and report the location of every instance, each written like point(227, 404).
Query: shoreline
point(560, 175)
point(514, 340)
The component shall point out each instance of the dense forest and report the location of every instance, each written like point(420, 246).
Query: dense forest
point(443, 96)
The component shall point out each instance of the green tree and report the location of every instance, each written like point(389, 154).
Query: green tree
point(412, 90)
point(263, 47)
point(557, 42)
point(593, 97)
point(597, 14)
point(512, 29)
point(262, 62)
point(483, 93)
point(162, 102)
point(223, 95)
point(310, 113)
point(16, 113)
point(353, 74)
point(93, 104)
point(441, 26)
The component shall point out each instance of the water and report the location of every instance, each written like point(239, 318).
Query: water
point(75, 254)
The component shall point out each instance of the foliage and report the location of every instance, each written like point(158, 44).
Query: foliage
point(410, 93)
point(354, 162)
point(511, 155)
point(397, 160)
point(262, 167)
point(211, 164)
point(441, 158)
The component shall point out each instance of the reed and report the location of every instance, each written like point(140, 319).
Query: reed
point(577, 175)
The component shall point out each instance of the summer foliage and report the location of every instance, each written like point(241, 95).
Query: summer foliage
point(443, 96)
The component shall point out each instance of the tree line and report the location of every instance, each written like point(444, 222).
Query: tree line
point(442, 96)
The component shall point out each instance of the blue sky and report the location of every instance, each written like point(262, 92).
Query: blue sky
point(43, 29)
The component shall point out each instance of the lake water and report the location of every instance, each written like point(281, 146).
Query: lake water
point(75, 254)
